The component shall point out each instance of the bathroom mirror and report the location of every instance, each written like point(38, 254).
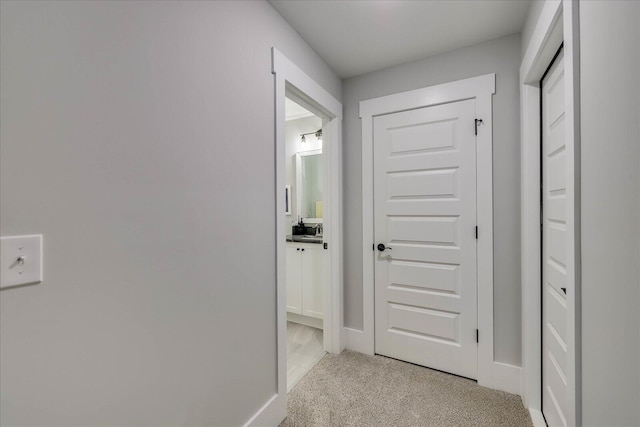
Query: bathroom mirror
point(309, 173)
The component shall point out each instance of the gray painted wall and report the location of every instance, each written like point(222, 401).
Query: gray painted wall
point(530, 23)
point(610, 106)
point(501, 56)
point(138, 138)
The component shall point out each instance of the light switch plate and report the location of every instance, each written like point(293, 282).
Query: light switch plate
point(20, 260)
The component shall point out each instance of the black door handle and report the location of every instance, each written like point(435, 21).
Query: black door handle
point(382, 247)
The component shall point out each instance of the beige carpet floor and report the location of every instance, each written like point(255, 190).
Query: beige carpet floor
point(353, 389)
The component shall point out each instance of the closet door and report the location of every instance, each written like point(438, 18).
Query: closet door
point(555, 242)
point(425, 233)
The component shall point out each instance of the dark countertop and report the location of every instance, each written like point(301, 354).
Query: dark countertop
point(304, 239)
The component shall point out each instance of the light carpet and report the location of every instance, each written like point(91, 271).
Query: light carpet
point(353, 389)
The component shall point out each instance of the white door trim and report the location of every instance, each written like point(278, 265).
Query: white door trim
point(290, 79)
point(558, 23)
point(490, 373)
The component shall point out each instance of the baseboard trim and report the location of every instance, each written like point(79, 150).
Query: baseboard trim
point(355, 340)
point(305, 320)
point(536, 418)
point(271, 414)
point(503, 377)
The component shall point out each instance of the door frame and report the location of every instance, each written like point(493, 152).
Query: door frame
point(558, 23)
point(292, 82)
point(491, 374)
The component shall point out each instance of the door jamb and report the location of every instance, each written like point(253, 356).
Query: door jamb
point(490, 373)
point(289, 78)
point(558, 23)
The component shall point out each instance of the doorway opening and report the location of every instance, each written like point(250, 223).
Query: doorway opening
point(305, 177)
point(293, 83)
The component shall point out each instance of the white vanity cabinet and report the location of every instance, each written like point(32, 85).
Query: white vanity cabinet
point(304, 279)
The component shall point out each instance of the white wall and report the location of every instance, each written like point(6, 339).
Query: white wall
point(501, 56)
point(138, 137)
point(293, 129)
point(610, 108)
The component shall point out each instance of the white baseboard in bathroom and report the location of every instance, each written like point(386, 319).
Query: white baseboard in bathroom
point(305, 320)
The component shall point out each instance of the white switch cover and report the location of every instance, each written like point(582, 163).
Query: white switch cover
point(20, 260)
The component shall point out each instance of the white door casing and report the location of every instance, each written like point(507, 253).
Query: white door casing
point(491, 373)
point(425, 211)
point(289, 77)
point(558, 24)
point(554, 247)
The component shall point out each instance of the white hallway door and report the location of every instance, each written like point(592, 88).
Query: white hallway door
point(425, 215)
point(554, 248)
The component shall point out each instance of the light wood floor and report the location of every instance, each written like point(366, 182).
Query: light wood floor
point(304, 350)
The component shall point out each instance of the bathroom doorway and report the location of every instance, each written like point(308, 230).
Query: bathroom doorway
point(292, 83)
point(305, 281)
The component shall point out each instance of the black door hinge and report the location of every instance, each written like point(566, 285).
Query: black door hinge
point(478, 122)
point(325, 245)
point(373, 246)
point(476, 231)
point(477, 336)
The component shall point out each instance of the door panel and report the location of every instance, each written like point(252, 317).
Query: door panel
point(427, 276)
point(419, 184)
point(425, 210)
point(554, 248)
point(421, 229)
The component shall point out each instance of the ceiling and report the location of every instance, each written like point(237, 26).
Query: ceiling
point(358, 36)
point(294, 111)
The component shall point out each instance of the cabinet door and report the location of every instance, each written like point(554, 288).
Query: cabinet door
point(294, 280)
point(312, 292)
